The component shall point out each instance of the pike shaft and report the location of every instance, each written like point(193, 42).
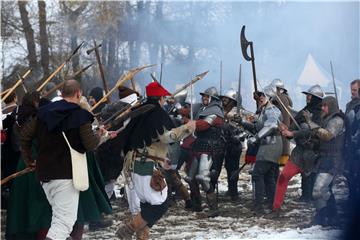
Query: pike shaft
point(16, 84)
point(333, 78)
point(239, 91)
point(101, 70)
point(221, 79)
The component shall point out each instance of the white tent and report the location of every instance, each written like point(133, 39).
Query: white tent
point(313, 74)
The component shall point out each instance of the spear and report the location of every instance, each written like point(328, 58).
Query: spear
point(124, 78)
point(333, 78)
point(221, 79)
point(101, 69)
point(194, 80)
point(161, 71)
point(59, 68)
point(12, 89)
point(239, 90)
point(60, 85)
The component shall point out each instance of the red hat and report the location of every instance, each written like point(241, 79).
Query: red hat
point(154, 89)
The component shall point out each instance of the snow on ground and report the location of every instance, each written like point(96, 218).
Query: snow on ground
point(236, 220)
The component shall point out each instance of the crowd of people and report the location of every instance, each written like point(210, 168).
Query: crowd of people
point(149, 139)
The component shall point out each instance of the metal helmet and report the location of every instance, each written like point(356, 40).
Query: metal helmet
point(270, 91)
point(211, 92)
point(277, 82)
point(181, 96)
point(231, 93)
point(316, 91)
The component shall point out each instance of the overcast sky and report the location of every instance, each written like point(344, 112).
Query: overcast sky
point(284, 34)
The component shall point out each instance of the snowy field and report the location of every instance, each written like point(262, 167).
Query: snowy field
point(236, 220)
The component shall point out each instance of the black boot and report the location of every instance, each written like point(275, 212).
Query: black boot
point(320, 217)
point(331, 212)
point(188, 204)
point(258, 209)
point(274, 214)
point(196, 203)
point(213, 204)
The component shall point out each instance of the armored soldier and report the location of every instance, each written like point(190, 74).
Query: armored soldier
point(331, 134)
point(146, 140)
point(233, 144)
point(266, 167)
point(285, 99)
point(208, 148)
point(304, 155)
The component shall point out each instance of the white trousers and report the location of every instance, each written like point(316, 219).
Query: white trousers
point(64, 201)
point(132, 198)
point(144, 191)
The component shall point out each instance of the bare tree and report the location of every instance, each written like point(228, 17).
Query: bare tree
point(44, 41)
point(73, 16)
point(29, 34)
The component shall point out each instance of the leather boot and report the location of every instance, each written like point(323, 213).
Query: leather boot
point(319, 218)
point(196, 203)
point(143, 234)
point(127, 230)
point(184, 192)
point(213, 204)
point(331, 211)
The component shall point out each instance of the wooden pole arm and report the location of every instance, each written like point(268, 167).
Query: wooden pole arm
point(124, 78)
point(16, 84)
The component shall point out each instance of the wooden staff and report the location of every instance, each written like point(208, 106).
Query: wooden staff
point(12, 89)
point(221, 77)
point(106, 88)
point(22, 83)
point(124, 78)
point(17, 174)
point(60, 85)
point(333, 78)
point(4, 92)
point(59, 68)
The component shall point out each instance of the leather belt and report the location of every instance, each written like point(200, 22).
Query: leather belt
point(154, 158)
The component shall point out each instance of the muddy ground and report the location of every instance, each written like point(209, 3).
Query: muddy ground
point(236, 219)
